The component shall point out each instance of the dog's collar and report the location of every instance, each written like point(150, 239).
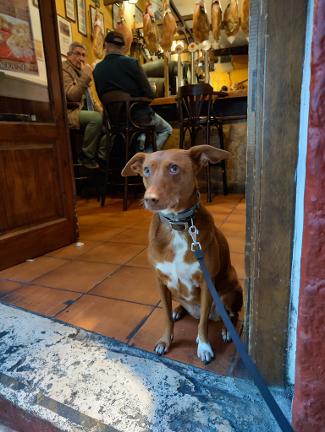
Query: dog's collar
point(180, 221)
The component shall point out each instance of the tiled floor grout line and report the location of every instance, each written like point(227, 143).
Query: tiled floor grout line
point(67, 306)
point(72, 258)
point(108, 240)
point(3, 295)
point(43, 274)
point(121, 299)
point(126, 263)
point(79, 258)
point(11, 280)
point(93, 287)
point(228, 216)
point(42, 285)
point(138, 327)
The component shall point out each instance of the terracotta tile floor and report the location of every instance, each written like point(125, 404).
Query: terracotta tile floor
point(105, 284)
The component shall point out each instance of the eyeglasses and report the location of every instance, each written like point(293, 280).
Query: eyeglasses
point(79, 54)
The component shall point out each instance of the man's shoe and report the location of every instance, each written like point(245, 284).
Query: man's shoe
point(88, 163)
point(102, 163)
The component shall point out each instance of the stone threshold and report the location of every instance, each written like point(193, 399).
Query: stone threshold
point(56, 377)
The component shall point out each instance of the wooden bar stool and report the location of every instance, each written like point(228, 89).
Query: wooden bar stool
point(82, 176)
point(118, 109)
point(195, 114)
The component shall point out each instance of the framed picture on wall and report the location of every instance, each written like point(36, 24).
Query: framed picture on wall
point(65, 34)
point(93, 11)
point(115, 14)
point(70, 11)
point(157, 9)
point(137, 15)
point(81, 15)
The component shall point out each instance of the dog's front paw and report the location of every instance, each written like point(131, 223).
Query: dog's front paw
point(225, 335)
point(204, 351)
point(163, 345)
point(161, 348)
point(178, 313)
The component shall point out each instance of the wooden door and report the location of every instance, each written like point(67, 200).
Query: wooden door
point(37, 205)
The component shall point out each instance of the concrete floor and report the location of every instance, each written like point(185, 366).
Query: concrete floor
point(4, 428)
point(81, 381)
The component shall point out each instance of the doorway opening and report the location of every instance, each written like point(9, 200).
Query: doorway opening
point(274, 98)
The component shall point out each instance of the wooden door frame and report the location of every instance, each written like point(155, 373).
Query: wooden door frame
point(276, 55)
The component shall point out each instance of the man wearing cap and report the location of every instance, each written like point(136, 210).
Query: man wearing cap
point(120, 72)
point(83, 111)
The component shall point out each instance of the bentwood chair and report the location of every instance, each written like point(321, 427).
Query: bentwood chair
point(118, 109)
point(195, 114)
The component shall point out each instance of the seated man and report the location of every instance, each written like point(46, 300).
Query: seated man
point(120, 72)
point(83, 112)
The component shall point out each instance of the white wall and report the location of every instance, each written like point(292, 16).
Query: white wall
point(300, 192)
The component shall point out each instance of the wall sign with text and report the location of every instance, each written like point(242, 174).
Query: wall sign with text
point(17, 50)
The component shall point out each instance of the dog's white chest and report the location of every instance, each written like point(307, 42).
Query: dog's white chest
point(178, 271)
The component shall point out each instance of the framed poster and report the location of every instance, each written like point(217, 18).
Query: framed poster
point(138, 17)
point(81, 15)
point(93, 12)
point(115, 14)
point(17, 48)
point(70, 11)
point(65, 34)
point(157, 10)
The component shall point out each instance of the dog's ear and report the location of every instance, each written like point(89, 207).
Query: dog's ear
point(203, 154)
point(134, 165)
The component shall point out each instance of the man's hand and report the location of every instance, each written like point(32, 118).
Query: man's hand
point(87, 70)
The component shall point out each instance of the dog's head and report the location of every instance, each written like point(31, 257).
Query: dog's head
point(169, 176)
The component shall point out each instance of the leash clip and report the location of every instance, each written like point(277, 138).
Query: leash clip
point(193, 232)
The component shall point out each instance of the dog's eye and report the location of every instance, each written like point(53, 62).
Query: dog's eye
point(173, 169)
point(146, 171)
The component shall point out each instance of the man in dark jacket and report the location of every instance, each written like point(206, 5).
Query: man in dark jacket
point(120, 72)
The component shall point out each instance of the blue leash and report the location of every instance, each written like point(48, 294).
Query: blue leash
point(250, 365)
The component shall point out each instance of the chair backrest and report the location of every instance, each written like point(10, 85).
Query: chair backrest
point(194, 101)
point(116, 108)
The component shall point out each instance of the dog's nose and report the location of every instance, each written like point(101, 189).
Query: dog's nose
point(150, 197)
point(151, 201)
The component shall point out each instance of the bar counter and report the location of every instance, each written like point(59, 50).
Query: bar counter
point(169, 100)
point(229, 104)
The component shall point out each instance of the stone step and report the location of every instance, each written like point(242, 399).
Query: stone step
point(4, 428)
point(72, 380)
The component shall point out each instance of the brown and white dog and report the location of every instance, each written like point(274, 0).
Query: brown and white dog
point(170, 179)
